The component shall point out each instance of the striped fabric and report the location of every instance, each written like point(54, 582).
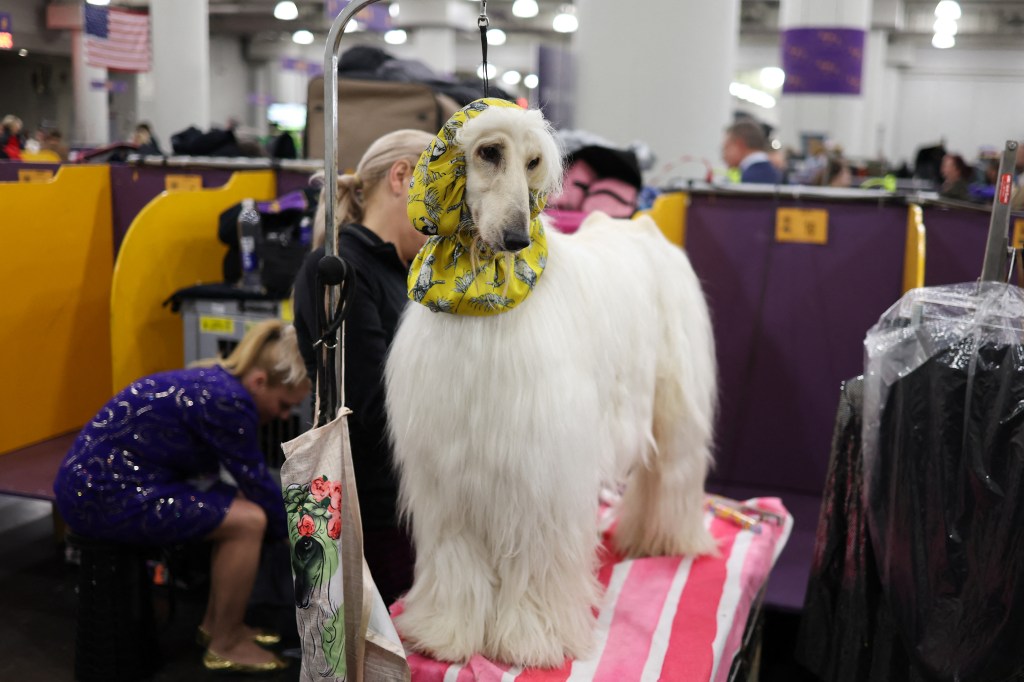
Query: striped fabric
point(664, 618)
point(116, 39)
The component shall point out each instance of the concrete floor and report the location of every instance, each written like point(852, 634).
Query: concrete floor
point(38, 608)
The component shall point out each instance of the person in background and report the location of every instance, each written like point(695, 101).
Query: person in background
point(145, 470)
point(282, 144)
point(10, 138)
point(814, 165)
point(52, 140)
point(377, 239)
point(746, 147)
point(956, 175)
point(143, 138)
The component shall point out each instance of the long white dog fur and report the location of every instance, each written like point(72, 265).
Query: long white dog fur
point(506, 427)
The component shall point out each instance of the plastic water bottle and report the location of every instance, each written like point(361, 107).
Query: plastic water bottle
point(250, 239)
point(306, 231)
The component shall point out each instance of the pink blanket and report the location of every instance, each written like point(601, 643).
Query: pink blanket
point(664, 618)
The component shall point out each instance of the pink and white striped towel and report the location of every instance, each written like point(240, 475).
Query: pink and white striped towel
point(662, 618)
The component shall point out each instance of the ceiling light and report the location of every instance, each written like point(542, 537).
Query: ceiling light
point(393, 10)
point(945, 26)
point(395, 37)
point(496, 37)
point(948, 9)
point(943, 41)
point(531, 80)
point(302, 37)
point(524, 9)
point(286, 10)
point(752, 95)
point(772, 77)
point(511, 77)
point(98, 2)
point(565, 21)
point(492, 71)
point(352, 26)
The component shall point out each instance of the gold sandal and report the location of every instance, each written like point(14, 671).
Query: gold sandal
point(262, 637)
point(216, 662)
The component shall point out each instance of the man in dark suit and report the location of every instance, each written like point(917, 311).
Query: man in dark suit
point(746, 148)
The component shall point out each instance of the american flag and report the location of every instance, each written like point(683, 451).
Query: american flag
point(116, 39)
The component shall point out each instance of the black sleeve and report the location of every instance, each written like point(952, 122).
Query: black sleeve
point(366, 348)
point(304, 306)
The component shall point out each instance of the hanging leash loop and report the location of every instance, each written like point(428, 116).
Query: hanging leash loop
point(483, 22)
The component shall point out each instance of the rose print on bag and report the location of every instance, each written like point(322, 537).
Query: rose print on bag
point(314, 521)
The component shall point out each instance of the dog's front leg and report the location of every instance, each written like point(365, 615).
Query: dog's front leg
point(452, 594)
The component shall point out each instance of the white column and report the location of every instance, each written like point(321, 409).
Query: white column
point(434, 45)
point(657, 71)
point(841, 118)
point(92, 109)
point(180, 79)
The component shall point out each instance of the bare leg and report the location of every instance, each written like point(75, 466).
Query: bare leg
point(233, 564)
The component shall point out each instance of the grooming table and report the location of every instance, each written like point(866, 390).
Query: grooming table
point(662, 618)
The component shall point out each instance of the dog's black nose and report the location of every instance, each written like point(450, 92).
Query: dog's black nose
point(516, 241)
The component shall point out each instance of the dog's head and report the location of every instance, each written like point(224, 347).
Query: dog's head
point(512, 161)
point(486, 175)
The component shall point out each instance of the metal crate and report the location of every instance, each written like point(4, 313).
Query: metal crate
point(213, 327)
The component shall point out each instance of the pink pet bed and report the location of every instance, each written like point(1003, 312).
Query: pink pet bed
point(663, 618)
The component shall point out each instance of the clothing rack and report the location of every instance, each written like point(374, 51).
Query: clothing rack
point(995, 266)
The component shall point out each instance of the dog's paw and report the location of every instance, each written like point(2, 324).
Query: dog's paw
point(696, 541)
point(438, 636)
point(535, 636)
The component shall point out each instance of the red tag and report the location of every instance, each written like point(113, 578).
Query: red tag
point(1005, 186)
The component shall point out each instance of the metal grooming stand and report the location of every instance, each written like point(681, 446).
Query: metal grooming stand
point(329, 391)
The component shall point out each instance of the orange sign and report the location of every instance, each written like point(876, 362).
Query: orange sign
point(6, 41)
point(801, 225)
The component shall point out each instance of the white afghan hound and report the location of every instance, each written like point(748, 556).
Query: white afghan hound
point(506, 427)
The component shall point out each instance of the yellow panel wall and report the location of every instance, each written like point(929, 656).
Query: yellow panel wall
point(170, 245)
point(669, 212)
point(55, 307)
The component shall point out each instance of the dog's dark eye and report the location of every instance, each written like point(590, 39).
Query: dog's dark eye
point(490, 153)
point(533, 164)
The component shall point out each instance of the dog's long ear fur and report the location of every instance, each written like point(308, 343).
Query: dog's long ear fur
point(551, 154)
point(521, 122)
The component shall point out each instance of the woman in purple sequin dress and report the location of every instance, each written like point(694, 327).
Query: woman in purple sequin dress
point(146, 470)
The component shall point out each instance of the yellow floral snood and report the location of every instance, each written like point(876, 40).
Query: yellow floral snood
point(451, 274)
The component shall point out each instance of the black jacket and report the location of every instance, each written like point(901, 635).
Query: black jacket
point(377, 302)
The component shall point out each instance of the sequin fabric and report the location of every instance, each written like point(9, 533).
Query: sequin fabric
point(146, 469)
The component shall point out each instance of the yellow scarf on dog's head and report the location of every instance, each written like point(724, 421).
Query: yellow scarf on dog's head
point(451, 273)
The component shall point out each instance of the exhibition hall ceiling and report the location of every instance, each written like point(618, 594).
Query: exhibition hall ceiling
point(908, 19)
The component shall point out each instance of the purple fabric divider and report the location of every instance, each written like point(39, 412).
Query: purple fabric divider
point(954, 244)
point(781, 361)
point(290, 180)
point(822, 60)
point(132, 187)
point(9, 169)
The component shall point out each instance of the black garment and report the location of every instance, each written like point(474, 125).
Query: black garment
point(377, 303)
point(847, 632)
point(946, 509)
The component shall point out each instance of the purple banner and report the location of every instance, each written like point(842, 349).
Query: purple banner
point(310, 68)
point(822, 61)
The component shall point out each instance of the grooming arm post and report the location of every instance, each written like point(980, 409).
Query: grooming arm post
point(332, 52)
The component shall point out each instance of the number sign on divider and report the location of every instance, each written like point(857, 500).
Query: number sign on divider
point(801, 225)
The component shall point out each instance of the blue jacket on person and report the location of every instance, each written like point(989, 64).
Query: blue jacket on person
point(759, 170)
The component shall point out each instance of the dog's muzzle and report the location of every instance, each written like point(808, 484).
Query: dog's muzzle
point(516, 234)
